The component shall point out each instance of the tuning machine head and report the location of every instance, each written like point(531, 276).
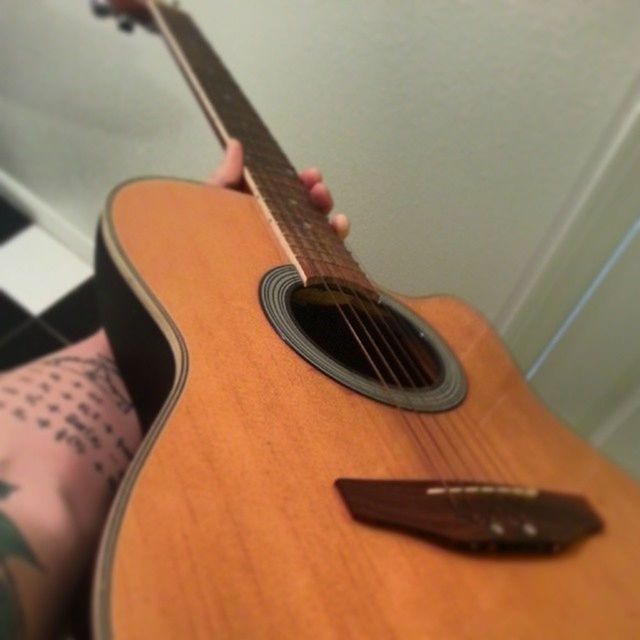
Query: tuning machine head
point(127, 13)
point(101, 8)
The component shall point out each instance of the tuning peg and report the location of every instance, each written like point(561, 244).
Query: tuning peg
point(101, 8)
point(125, 24)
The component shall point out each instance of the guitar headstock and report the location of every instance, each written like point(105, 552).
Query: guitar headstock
point(127, 13)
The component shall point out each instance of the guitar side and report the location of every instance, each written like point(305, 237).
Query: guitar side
point(228, 524)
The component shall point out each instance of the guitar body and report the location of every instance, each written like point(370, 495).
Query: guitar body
point(228, 524)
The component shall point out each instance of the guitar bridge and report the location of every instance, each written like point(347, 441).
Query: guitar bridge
point(473, 516)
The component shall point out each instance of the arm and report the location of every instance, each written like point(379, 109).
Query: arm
point(68, 431)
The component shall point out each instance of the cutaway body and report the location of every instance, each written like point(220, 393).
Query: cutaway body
point(228, 524)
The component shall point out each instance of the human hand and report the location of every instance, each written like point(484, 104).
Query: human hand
point(229, 175)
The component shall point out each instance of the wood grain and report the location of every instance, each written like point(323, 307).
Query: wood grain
point(229, 526)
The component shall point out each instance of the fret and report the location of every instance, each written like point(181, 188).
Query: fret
point(331, 247)
point(317, 255)
point(318, 251)
point(270, 177)
point(267, 168)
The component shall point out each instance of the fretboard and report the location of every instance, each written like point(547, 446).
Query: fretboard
point(308, 239)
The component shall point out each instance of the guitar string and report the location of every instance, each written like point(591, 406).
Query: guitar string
point(293, 228)
point(215, 122)
point(420, 378)
point(492, 458)
point(203, 97)
point(430, 458)
point(484, 452)
point(415, 385)
point(364, 305)
point(497, 511)
point(415, 413)
point(212, 116)
point(390, 369)
point(497, 472)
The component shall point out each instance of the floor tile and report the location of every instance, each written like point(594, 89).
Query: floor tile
point(30, 342)
point(36, 270)
point(12, 315)
point(11, 220)
point(76, 315)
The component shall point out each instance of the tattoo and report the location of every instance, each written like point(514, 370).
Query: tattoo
point(74, 399)
point(32, 399)
point(100, 371)
point(122, 447)
point(72, 440)
point(84, 409)
point(12, 545)
point(77, 423)
point(19, 414)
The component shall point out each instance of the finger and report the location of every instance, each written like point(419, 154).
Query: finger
point(341, 225)
point(320, 197)
point(229, 171)
point(310, 177)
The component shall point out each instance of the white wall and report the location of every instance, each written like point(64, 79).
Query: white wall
point(450, 131)
point(458, 135)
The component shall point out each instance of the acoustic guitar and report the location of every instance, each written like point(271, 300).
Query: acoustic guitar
point(325, 459)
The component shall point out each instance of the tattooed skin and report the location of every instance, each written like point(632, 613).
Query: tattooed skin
point(69, 395)
point(12, 546)
point(67, 434)
point(101, 371)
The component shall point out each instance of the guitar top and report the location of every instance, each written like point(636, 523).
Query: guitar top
point(323, 458)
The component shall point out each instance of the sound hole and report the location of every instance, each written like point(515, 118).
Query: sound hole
point(406, 364)
point(388, 347)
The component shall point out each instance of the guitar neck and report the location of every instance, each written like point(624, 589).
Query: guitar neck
point(307, 238)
